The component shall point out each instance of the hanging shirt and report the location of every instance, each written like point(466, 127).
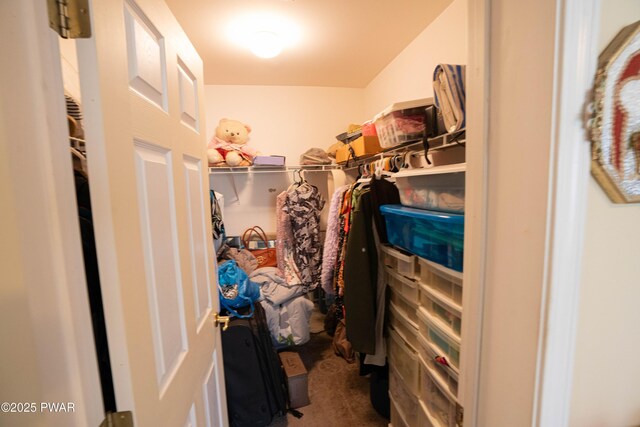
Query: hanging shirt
point(345, 215)
point(285, 242)
point(303, 206)
point(332, 241)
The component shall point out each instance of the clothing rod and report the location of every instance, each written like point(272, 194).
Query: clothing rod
point(265, 169)
point(252, 171)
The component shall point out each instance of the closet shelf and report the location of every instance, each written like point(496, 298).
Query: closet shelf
point(441, 142)
point(272, 169)
point(434, 170)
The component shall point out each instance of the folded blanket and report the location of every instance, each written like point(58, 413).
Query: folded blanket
point(273, 286)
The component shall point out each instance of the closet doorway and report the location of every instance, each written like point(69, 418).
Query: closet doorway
point(123, 159)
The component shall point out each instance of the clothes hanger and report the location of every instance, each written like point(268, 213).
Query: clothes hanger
point(362, 177)
point(395, 163)
point(303, 181)
point(383, 168)
point(378, 166)
point(295, 183)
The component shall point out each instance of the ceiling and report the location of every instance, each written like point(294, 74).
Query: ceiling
point(343, 43)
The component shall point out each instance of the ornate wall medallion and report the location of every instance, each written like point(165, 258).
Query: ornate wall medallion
point(615, 128)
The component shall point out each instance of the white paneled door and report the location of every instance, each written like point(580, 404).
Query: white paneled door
point(142, 85)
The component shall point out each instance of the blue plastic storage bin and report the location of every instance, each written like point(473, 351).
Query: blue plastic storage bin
point(436, 236)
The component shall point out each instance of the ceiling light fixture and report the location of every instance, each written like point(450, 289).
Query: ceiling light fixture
point(266, 44)
point(265, 35)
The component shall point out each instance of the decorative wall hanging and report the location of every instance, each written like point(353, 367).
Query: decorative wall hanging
point(615, 128)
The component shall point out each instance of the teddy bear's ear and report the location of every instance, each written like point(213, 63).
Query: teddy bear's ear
point(224, 120)
point(248, 128)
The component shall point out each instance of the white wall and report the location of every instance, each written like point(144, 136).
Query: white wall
point(410, 75)
point(607, 372)
point(286, 120)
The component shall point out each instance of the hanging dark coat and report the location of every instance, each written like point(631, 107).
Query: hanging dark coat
point(360, 278)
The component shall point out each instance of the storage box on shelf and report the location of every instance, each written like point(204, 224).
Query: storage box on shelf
point(400, 261)
point(436, 236)
point(405, 361)
point(445, 281)
point(402, 122)
point(436, 334)
point(441, 309)
point(369, 129)
point(405, 399)
point(449, 156)
point(260, 161)
point(439, 188)
point(407, 329)
point(361, 146)
point(445, 373)
point(404, 286)
point(440, 406)
point(408, 308)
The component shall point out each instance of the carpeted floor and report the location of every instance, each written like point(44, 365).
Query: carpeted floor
point(339, 396)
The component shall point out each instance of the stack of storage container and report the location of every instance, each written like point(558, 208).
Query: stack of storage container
point(424, 273)
point(357, 141)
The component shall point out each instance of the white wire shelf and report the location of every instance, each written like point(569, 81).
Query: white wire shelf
point(272, 169)
point(441, 142)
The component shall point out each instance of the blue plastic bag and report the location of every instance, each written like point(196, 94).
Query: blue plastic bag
point(235, 288)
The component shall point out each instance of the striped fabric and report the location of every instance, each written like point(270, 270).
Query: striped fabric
point(73, 107)
point(450, 95)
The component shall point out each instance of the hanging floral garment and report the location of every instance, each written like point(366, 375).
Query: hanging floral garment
point(285, 243)
point(303, 205)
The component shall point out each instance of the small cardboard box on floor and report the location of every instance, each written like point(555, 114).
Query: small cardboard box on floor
point(361, 146)
point(297, 379)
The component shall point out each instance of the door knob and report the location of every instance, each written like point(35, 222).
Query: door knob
point(221, 320)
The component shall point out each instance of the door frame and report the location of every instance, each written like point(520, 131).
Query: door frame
point(476, 187)
point(46, 296)
point(56, 291)
point(577, 26)
point(574, 70)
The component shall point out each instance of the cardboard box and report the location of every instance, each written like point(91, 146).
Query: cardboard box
point(297, 379)
point(361, 146)
point(448, 156)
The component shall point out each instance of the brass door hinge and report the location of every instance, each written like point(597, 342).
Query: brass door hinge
point(118, 419)
point(70, 18)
